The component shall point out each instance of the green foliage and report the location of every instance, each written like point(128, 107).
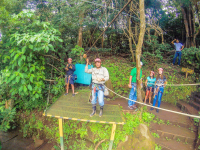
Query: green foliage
point(58, 88)
point(191, 57)
point(147, 117)
point(158, 147)
point(119, 73)
point(76, 132)
point(174, 93)
point(25, 73)
point(7, 117)
point(155, 50)
point(31, 126)
point(76, 53)
point(155, 135)
point(168, 123)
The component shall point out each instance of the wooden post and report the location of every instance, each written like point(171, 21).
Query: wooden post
point(186, 74)
point(61, 133)
point(112, 137)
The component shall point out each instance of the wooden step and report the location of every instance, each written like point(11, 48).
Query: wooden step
point(173, 132)
point(185, 107)
point(195, 105)
point(173, 145)
point(196, 99)
point(197, 94)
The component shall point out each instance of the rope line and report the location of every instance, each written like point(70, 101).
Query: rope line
point(98, 22)
point(194, 84)
point(175, 112)
point(110, 24)
point(111, 9)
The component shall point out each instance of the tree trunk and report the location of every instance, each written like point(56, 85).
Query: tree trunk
point(131, 49)
point(188, 16)
point(80, 32)
point(186, 27)
point(130, 38)
point(80, 36)
point(198, 30)
point(139, 49)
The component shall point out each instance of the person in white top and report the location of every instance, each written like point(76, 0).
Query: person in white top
point(99, 76)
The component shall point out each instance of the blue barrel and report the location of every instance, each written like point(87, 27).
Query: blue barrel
point(82, 77)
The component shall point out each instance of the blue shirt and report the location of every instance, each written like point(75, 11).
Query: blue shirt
point(150, 81)
point(178, 46)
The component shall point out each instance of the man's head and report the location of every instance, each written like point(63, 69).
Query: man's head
point(97, 62)
point(141, 64)
point(177, 41)
point(69, 60)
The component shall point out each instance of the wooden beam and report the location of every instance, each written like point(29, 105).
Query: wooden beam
point(61, 133)
point(112, 137)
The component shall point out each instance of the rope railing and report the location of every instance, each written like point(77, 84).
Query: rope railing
point(171, 111)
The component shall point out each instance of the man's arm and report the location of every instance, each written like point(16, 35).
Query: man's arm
point(182, 47)
point(130, 79)
point(66, 68)
point(173, 41)
point(86, 67)
point(105, 74)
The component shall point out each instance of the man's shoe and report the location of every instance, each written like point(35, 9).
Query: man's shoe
point(66, 93)
point(152, 108)
point(157, 110)
point(130, 107)
point(101, 111)
point(94, 110)
point(73, 94)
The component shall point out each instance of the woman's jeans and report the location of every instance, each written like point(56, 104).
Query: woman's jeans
point(158, 95)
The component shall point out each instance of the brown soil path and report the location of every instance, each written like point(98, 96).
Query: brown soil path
point(13, 140)
point(176, 135)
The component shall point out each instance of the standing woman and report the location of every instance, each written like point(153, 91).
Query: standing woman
point(70, 68)
point(150, 84)
point(160, 84)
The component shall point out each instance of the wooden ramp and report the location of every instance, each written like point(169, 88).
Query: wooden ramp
point(79, 108)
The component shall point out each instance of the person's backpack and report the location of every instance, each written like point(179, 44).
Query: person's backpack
point(74, 77)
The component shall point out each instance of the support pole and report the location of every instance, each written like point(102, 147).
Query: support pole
point(61, 133)
point(112, 137)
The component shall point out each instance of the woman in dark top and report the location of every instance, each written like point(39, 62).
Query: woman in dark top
point(70, 68)
point(160, 84)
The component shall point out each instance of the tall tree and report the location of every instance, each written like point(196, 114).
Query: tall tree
point(139, 48)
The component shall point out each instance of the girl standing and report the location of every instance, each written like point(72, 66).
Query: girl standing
point(150, 82)
point(160, 84)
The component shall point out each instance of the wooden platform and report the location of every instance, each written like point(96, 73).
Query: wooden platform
point(79, 108)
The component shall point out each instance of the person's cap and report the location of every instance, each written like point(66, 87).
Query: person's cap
point(152, 72)
point(97, 59)
point(160, 69)
point(141, 63)
point(69, 59)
